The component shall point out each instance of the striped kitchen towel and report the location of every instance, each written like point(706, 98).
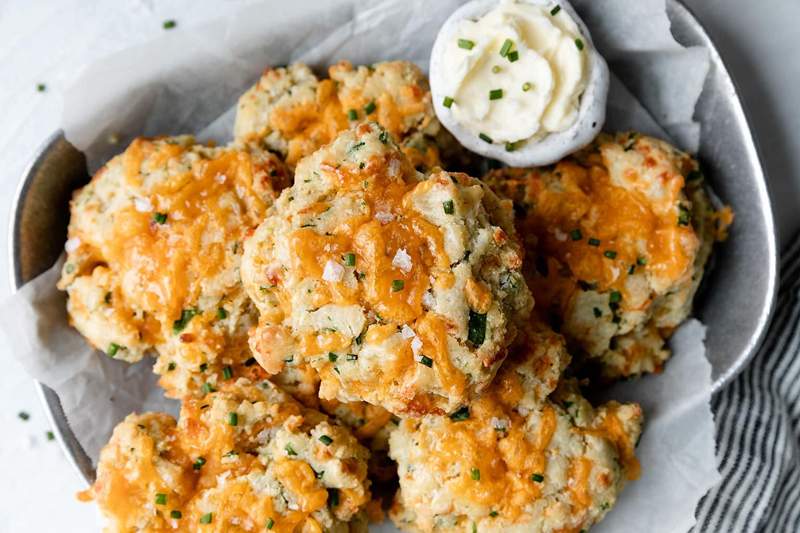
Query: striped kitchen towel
point(758, 428)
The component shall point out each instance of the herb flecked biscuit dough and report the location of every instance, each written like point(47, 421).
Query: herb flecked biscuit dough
point(291, 111)
point(155, 243)
point(245, 458)
point(518, 458)
point(617, 238)
point(401, 291)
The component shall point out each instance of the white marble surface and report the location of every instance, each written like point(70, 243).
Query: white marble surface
point(49, 41)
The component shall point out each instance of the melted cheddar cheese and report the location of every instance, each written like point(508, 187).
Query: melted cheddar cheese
point(212, 472)
point(377, 278)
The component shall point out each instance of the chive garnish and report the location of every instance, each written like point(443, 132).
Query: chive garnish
point(425, 360)
point(349, 259)
point(512, 56)
point(50, 435)
point(41, 87)
point(555, 10)
point(383, 136)
point(186, 316)
point(171, 366)
point(461, 414)
point(270, 523)
point(227, 372)
point(222, 314)
point(576, 235)
point(476, 328)
point(333, 496)
point(160, 218)
point(113, 348)
point(510, 147)
point(485, 138)
point(495, 94)
point(208, 388)
point(369, 108)
point(449, 207)
point(594, 242)
point(177, 515)
point(447, 102)
point(206, 518)
point(611, 254)
point(161, 499)
point(475, 474)
point(352, 114)
point(332, 357)
point(641, 261)
point(169, 24)
point(538, 478)
point(597, 312)
point(203, 367)
point(397, 285)
point(526, 86)
point(198, 463)
point(326, 440)
point(23, 416)
point(466, 44)
point(493, 514)
point(684, 216)
point(290, 450)
point(506, 48)
point(579, 44)
point(496, 69)
point(615, 297)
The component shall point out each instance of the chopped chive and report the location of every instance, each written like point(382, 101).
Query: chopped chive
point(222, 314)
point(527, 86)
point(641, 261)
point(493, 514)
point(161, 499)
point(383, 136)
point(579, 44)
point(631, 269)
point(349, 259)
point(107, 298)
point(198, 463)
point(474, 528)
point(177, 515)
point(250, 362)
point(461, 414)
point(576, 235)
point(597, 312)
point(352, 357)
point(684, 216)
point(113, 348)
point(475, 474)
point(160, 218)
point(510, 147)
point(41, 87)
point(485, 138)
point(538, 478)
point(326, 440)
point(270, 523)
point(332, 357)
point(495, 94)
point(352, 114)
point(611, 254)
point(203, 367)
point(227, 372)
point(369, 108)
point(512, 56)
point(466, 44)
point(586, 286)
point(449, 207)
point(186, 315)
point(50, 435)
point(171, 366)
point(206, 518)
point(594, 242)
point(169, 24)
point(397, 285)
point(208, 388)
point(290, 450)
point(555, 10)
point(506, 48)
point(447, 102)
point(496, 69)
point(23, 416)
point(476, 328)
point(333, 496)
point(615, 297)
point(425, 360)
point(617, 319)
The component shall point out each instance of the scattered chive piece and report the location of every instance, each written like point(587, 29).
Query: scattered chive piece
point(186, 316)
point(250, 362)
point(512, 56)
point(113, 348)
point(449, 207)
point(50, 435)
point(397, 285)
point(425, 360)
point(208, 388)
point(594, 242)
point(333, 495)
point(475, 474)
point(23, 416)
point(493, 514)
point(206, 518)
point(227, 372)
point(169, 24)
point(617, 319)
point(171, 366)
point(350, 259)
point(641, 261)
point(576, 235)
point(369, 108)
point(352, 114)
point(466, 44)
point(597, 312)
point(161, 499)
point(579, 44)
point(476, 328)
point(326, 440)
point(447, 102)
point(631, 269)
point(684, 216)
point(586, 286)
point(332, 357)
point(485, 138)
point(222, 314)
point(41, 87)
point(160, 218)
point(177, 515)
point(107, 298)
point(383, 136)
point(496, 69)
point(198, 463)
point(506, 48)
point(474, 528)
point(611, 254)
point(555, 10)
point(290, 450)
point(538, 478)
point(203, 367)
point(495, 94)
point(615, 297)
point(352, 357)
point(510, 147)
point(270, 523)
point(527, 86)
point(461, 414)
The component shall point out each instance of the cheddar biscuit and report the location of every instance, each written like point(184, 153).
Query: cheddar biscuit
point(401, 291)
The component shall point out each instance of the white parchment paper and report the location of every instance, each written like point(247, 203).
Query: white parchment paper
point(189, 80)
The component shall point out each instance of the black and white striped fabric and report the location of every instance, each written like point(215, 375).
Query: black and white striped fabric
point(758, 428)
